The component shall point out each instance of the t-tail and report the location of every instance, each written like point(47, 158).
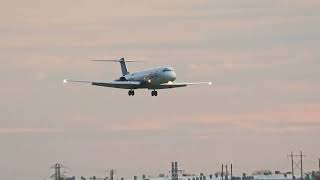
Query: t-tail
point(123, 67)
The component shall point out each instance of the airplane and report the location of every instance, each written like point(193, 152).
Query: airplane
point(152, 79)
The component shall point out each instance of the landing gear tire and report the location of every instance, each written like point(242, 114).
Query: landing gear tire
point(131, 93)
point(154, 93)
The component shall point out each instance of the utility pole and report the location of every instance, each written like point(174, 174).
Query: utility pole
point(301, 163)
point(57, 171)
point(111, 174)
point(296, 164)
point(222, 172)
point(319, 164)
point(176, 170)
point(231, 171)
point(172, 171)
point(58, 175)
point(226, 172)
point(301, 169)
point(292, 163)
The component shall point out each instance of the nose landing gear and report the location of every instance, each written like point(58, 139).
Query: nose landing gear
point(131, 92)
point(154, 93)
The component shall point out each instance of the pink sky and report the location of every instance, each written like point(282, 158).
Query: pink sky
point(263, 57)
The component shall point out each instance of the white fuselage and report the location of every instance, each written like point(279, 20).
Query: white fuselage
point(155, 76)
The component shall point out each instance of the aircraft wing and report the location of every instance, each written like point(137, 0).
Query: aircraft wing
point(112, 84)
point(177, 85)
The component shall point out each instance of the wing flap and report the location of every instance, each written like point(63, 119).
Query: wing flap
point(119, 84)
point(177, 85)
point(112, 84)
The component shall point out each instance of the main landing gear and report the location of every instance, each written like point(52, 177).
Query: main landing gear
point(131, 92)
point(154, 93)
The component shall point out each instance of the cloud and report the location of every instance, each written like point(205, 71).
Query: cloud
point(282, 120)
point(36, 61)
point(29, 130)
point(141, 126)
point(277, 56)
point(299, 88)
point(228, 66)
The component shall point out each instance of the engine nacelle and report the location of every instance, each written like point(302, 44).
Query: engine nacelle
point(122, 78)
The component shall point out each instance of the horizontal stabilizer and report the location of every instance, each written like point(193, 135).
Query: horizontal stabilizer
point(122, 62)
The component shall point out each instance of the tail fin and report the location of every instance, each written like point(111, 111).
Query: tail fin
point(123, 67)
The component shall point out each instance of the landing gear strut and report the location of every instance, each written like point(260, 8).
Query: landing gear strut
point(154, 93)
point(131, 92)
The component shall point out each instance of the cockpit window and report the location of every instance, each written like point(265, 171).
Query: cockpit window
point(167, 70)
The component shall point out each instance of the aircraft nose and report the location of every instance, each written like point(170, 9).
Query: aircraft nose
point(173, 76)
